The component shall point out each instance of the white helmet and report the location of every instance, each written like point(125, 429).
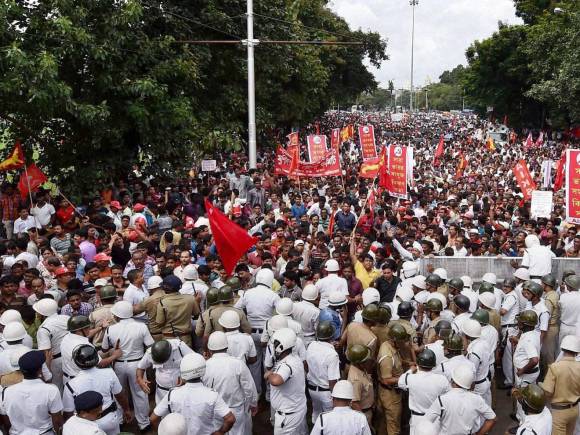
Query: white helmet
point(463, 376)
point(370, 295)
point(285, 307)
point(409, 269)
point(283, 340)
point(467, 282)
point(441, 297)
point(441, 273)
point(192, 366)
point(343, 390)
point(569, 343)
point(229, 319)
point(522, 273)
point(487, 299)
point(217, 341)
point(16, 354)
point(471, 328)
point(405, 294)
point(427, 427)
point(419, 282)
point(336, 299)
point(265, 277)
point(531, 241)
point(490, 278)
point(10, 316)
point(276, 323)
point(45, 307)
point(331, 266)
point(122, 310)
point(173, 424)
point(14, 331)
point(309, 292)
point(154, 282)
point(190, 272)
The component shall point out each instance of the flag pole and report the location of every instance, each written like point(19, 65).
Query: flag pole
point(70, 202)
point(28, 183)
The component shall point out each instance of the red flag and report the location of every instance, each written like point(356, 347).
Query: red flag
point(15, 160)
point(529, 142)
point(524, 179)
point(461, 165)
point(295, 159)
point(371, 200)
point(36, 178)
point(331, 224)
point(231, 240)
point(293, 139)
point(335, 138)
point(540, 140)
point(438, 151)
point(384, 177)
point(559, 180)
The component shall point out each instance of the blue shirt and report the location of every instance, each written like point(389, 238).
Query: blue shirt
point(298, 211)
point(329, 315)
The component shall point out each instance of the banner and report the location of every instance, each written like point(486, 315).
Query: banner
point(524, 179)
point(208, 165)
point(366, 134)
point(316, 147)
point(329, 166)
point(573, 186)
point(541, 204)
point(335, 138)
point(293, 139)
point(398, 170)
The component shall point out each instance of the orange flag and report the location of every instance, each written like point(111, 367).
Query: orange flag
point(15, 160)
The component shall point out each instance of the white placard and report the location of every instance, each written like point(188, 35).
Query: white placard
point(541, 203)
point(396, 117)
point(208, 165)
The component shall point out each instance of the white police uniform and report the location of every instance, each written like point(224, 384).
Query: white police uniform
point(103, 381)
point(240, 345)
point(7, 364)
point(166, 374)
point(288, 401)
point(299, 351)
point(76, 425)
point(478, 352)
point(424, 387)
point(330, 283)
point(473, 298)
point(458, 322)
point(29, 404)
point(458, 410)
point(438, 350)
point(323, 366)
point(202, 407)
point(133, 336)
point(341, 421)
point(306, 313)
point(27, 341)
point(537, 424)
point(543, 315)
point(509, 329)
point(67, 345)
point(259, 303)
point(569, 309)
point(231, 378)
point(528, 347)
point(48, 337)
point(491, 337)
point(446, 367)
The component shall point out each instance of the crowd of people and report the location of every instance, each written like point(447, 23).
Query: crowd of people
point(118, 313)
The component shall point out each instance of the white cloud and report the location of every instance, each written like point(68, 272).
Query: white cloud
point(444, 29)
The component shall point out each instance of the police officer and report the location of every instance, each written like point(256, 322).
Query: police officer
point(510, 308)
point(491, 278)
point(533, 291)
point(306, 313)
point(433, 308)
point(240, 345)
point(164, 356)
point(479, 353)
point(195, 401)
point(487, 303)
point(10, 316)
point(360, 375)
point(175, 311)
point(538, 420)
point(88, 407)
point(562, 385)
point(442, 330)
point(150, 303)
point(14, 347)
point(331, 283)
point(454, 356)
point(173, 424)
point(225, 298)
point(569, 306)
point(212, 299)
point(259, 303)
point(336, 313)
point(231, 378)
point(459, 408)
point(101, 317)
point(49, 336)
point(382, 319)
point(361, 333)
point(342, 419)
point(133, 338)
point(461, 304)
point(323, 369)
point(287, 379)
point(103, 381)
point(552, 302)
point(390, 368)
point(489, 334)
point(423, 386)
point(32, 406)
point(285, 307)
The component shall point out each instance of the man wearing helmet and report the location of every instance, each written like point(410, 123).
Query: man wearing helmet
point(479, 353)
point(569, 306)
point(551, 299)
point(360, 372)
point(510, 308)
point(537, 258)
point(537, 419)
point(306, 312)
point(240, 345)
point(533, 291)
point(454, 348)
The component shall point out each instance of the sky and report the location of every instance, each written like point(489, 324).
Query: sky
point(444, 29)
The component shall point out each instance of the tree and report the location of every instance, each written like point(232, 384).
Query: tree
point(531, 10)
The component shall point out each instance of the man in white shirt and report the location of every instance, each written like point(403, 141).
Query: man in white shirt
point(306, 313)
point(537, 258)
point(331, 283)
point(510, 308)
point(24, 222)
point(136, 293)
point(569, 306)
point(43, 212)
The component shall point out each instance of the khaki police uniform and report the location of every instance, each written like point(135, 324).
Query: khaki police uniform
point(150, 304)
point(174, 313)
point(407, 353)
point(382, 333)
point(429, 336)
point(390, 365)
point(211, 322)
point(364, 391)
point(550, 346)
point(101, 317)
point(359, 333)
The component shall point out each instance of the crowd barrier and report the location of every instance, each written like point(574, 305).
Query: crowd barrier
point(476, 267)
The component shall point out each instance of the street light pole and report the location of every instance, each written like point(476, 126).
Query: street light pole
point(413, 3)
point(426, 100)
point(251, 86)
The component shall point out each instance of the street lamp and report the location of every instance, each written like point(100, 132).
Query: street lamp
point(413, 3)
point(559, 11)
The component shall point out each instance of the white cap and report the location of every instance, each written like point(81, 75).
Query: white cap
point(122, 310)
point(10, 316)
point(192, 366)
point(531, 241)
point(173, 424)
point(463, 376)
point(569, 343)
point(336, 299)
point(522, 273)
point(490, 278)
point(370, 295)
point(229, 319)
point(14, 331)
point(154, 282)
point(409, 269)
point(467, 281)
point(427, 427)
point(309, 292)
point(471, 328)
point(101, 282)
point(217, 341)
point(45, 307)
point(285, 307)
point(441, 273)
point(331, 266)
point(405, 294)
point(265, 277)
point(487, 299)
point(419, 282)
point(190, 272)
point(343, 390)
point(275, 323)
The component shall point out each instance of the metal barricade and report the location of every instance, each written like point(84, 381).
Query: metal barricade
point(476, 267)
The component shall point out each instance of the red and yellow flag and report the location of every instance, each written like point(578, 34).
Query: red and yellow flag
point(15, 160)
point(347, 133)
point(371, 167)
point(461, 165)
point(490, 144)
